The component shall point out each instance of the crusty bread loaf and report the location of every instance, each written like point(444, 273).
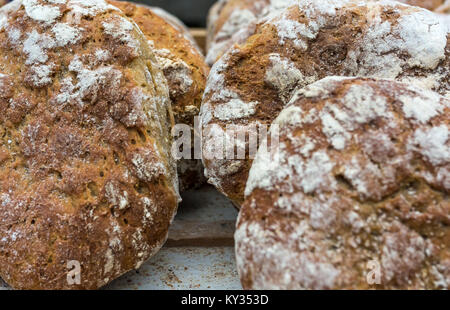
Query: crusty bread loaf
point(252, 82)
point(233, 21)
point(86, 173)
point(356, 195)
point(185, 69)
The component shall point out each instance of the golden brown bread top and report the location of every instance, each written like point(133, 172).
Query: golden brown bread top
point(182, 63)
point(361, 174)
point(85, 172)
point(252, 82)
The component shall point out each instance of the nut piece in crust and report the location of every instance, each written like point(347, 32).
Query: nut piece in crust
point(86, 175)
point(356, 194)
point(185, 70)
point(252, 82)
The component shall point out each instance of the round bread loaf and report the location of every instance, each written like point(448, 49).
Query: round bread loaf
point(233, 21)
point(185, 70)
point(88, 186)
point(252, 82)
point(356, 195)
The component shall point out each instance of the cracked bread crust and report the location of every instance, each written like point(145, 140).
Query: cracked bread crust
point(252, 82)
point(185, 69)
point(361, 179)
point(85, 169)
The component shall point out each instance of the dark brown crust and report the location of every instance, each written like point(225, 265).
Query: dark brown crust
point(244, 69)
point(84, 177)
point(221, 12)
point(383, 199)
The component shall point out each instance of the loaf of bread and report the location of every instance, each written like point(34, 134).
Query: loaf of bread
point(356, 194)
point(186, 71)
point(233, 21)
point(88, 186)
point(309, 41)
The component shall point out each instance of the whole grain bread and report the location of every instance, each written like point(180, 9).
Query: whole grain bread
point(356, 195)
point(186, 71)
point(253, 81)
point(86, 173)
point(233, 21)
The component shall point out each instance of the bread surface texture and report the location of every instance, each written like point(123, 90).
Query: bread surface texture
point(233, 21)
point(185, 69)
point(86, 174)
point(175, 22)
point(356, 195)
point(309, 41)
